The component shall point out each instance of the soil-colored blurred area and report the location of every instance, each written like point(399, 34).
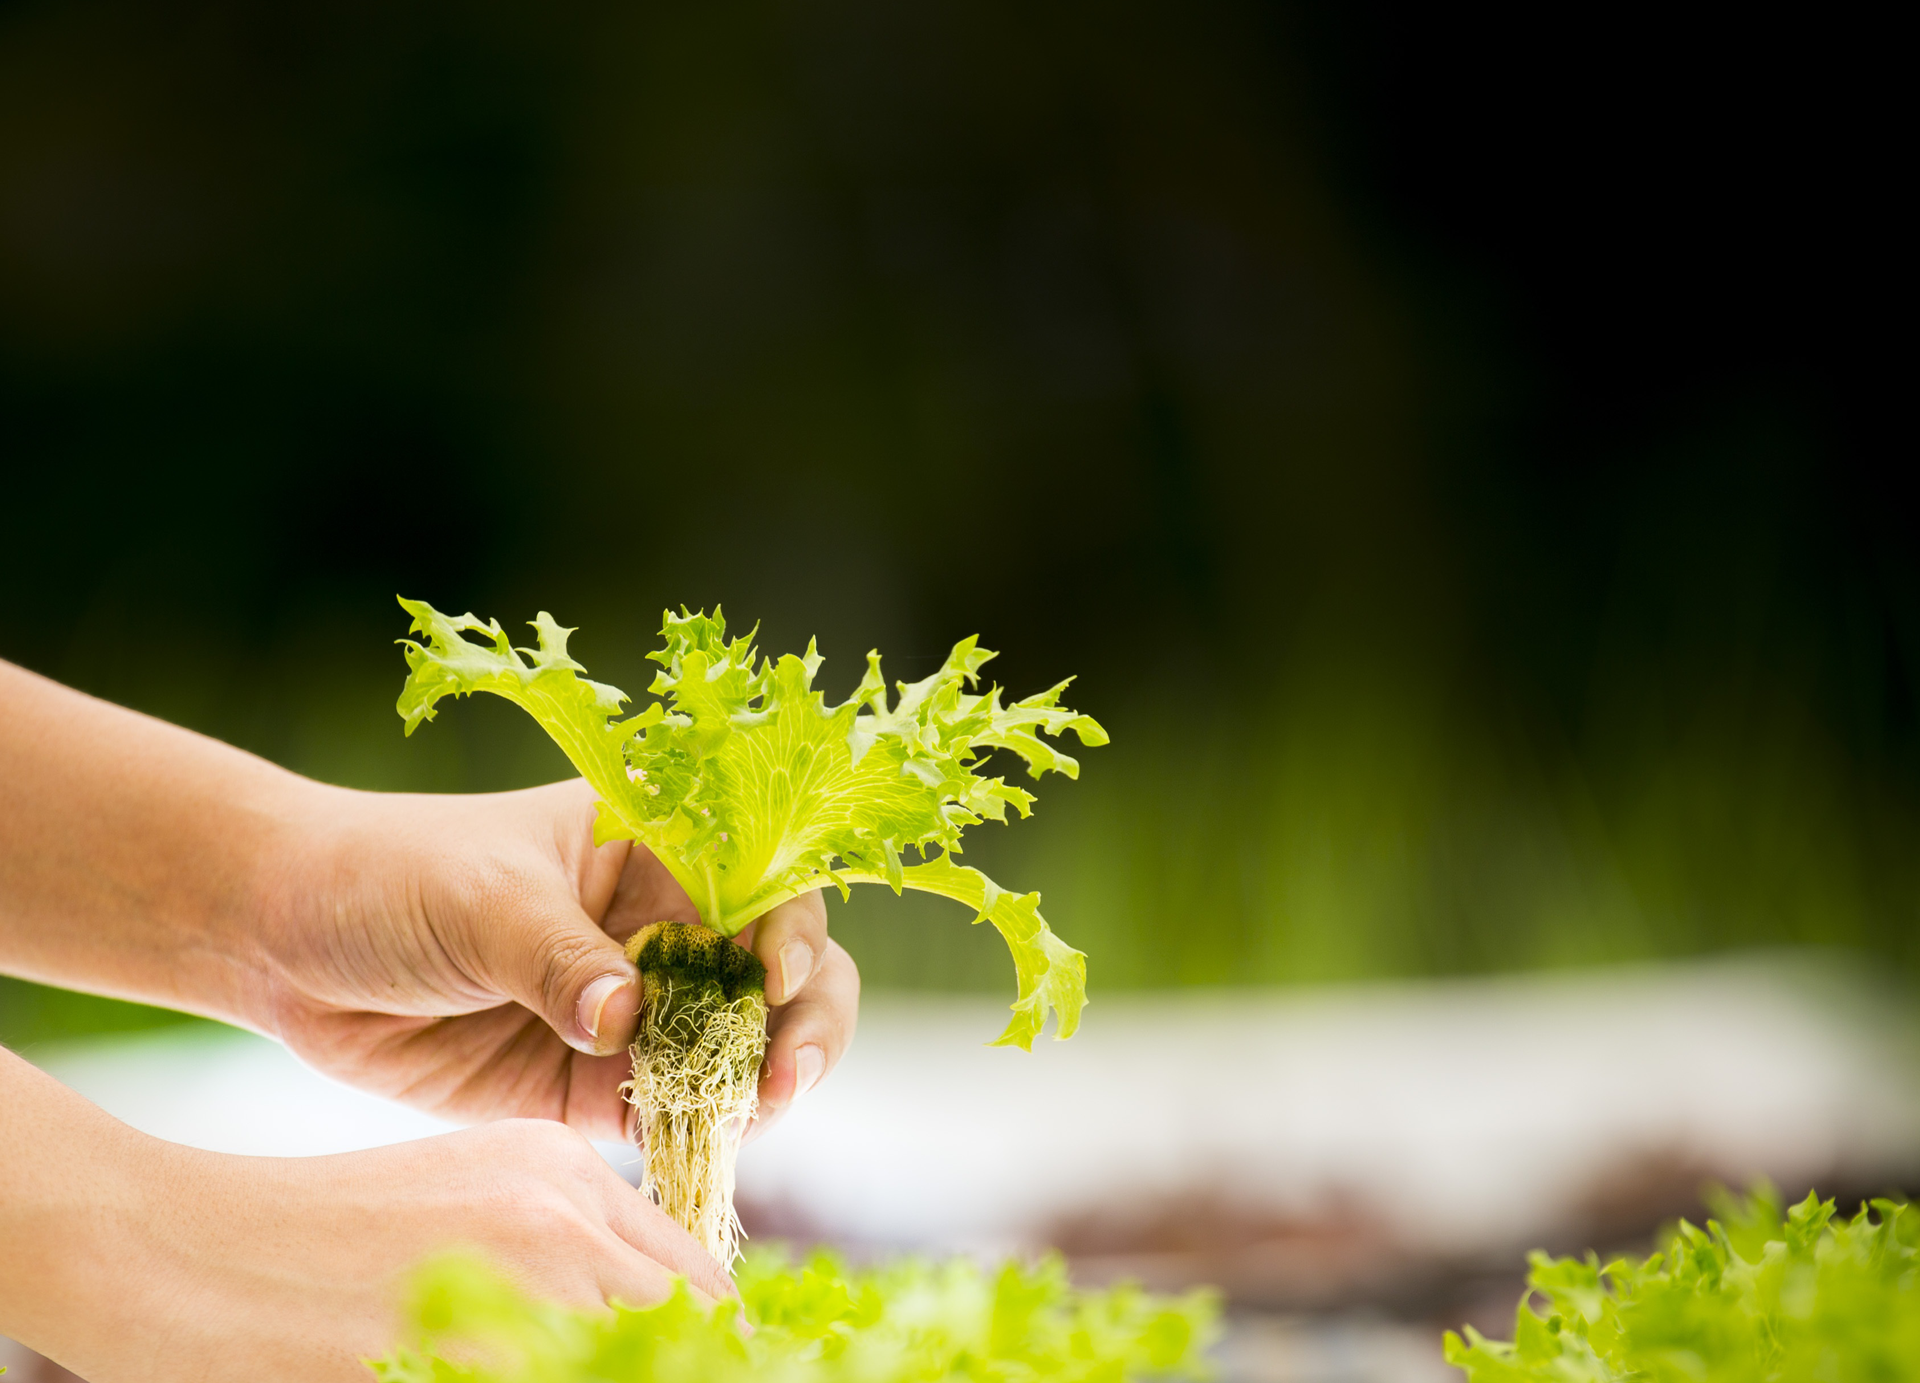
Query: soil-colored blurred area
point(1345, 1263)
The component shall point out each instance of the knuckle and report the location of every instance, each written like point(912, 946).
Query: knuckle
point(805, 913)
point(839, 972)
point(567, 947)
point(537, 1214)
point(522, 1205)
point(567, 954)
point(545, 1142)
point(505, 1133)
point(564, 1231)
point(562, 1143)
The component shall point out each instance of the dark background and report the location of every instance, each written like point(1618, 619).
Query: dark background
point(1457, 451)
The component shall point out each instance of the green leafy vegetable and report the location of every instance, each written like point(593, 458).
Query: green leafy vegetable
point(910, 1322)
point(1755, 1297)
point(752, 790)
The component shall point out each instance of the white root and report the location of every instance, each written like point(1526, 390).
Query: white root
point(696, 1079)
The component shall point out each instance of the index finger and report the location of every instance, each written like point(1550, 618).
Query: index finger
point(790, 940)
point(655, 1234)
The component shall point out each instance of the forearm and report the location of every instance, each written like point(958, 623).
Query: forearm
point(137, 859)
point(66, 1204)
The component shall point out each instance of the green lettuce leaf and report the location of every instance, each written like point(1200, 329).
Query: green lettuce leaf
point(817, 1322)
point(752, 790)
point(1757, 1296)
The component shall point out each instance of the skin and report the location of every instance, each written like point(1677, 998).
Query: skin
point(460, 954)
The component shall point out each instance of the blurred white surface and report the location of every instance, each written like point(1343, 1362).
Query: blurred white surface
point(230, 1091)
point(1461, 1113)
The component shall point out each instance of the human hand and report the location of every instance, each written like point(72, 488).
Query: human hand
point(138, 1261)
point(463, 954)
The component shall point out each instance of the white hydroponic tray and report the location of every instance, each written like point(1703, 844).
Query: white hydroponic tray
point(1462, 1113)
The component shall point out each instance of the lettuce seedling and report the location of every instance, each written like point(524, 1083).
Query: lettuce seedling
point(751, 790)
point(817, 1322)
point(1755, 1297)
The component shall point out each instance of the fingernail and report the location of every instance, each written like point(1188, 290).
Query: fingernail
point(593, 1003)
point(796, 963)
point(809, 1064)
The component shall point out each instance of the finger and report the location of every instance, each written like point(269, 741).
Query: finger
point(809, 1036)
point(594, 1104)
point(790, 940)
point(628, 1277)
point(538, 948)
point(650, 1232)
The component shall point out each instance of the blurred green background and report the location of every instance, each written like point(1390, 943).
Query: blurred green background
point(1456, 452)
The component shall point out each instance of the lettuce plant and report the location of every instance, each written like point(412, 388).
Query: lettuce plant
point(1755, 1297)
point(909, 1322)
point(751, 790)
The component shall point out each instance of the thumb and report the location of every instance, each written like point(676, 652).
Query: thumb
point(547, 955)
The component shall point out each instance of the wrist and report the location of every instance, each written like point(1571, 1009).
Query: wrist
point(227, 958)
point(302, 883)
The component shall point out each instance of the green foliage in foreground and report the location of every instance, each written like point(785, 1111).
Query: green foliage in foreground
point(1755, 1297)
point(815, 1323)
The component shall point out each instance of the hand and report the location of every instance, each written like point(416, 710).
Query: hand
point(463, 954)
point(221, 1269)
